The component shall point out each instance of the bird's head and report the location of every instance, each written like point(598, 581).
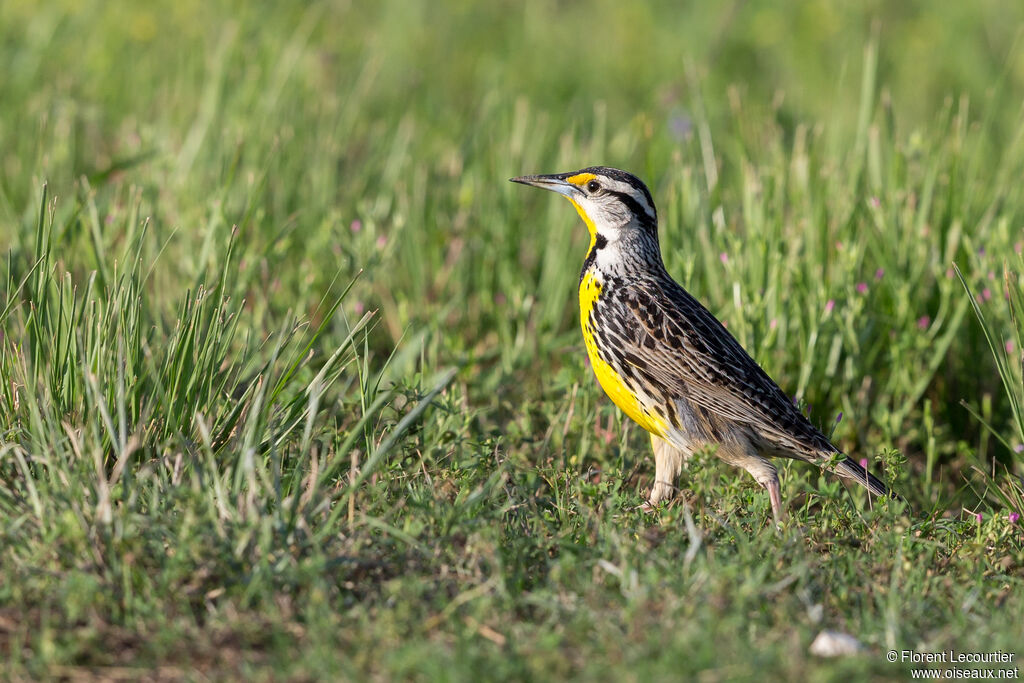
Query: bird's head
point(614, 204)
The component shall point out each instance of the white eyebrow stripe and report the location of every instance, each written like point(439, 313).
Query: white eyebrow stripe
point(627, 189)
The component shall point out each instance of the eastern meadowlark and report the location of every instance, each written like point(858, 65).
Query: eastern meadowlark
point(665, 360)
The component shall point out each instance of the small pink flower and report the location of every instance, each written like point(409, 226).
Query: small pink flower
point(725, 324)
point(358, 307)
point(862, 288)
point(839, 246)
point(880, 273)
point(382, 242)
point(829, 305)
point(977, 517)
point(723, 257)
point(772, 324)
point(1018, 247)
point(1009, 346)
point(875, 202)
point(1019, 448)
point(923, 322)
point(986, 294)
point(991, 275)
point(950, 273)
point(1014, 517)
point(356, 226)
point(864, 463)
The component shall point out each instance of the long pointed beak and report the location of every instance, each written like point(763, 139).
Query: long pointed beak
point(555, 183)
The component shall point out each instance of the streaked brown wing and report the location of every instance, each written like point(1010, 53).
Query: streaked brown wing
point(690, 353)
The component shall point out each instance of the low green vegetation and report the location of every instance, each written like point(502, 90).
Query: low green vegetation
point(291, 383)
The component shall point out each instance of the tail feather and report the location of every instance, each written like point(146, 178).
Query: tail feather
point(850, 469)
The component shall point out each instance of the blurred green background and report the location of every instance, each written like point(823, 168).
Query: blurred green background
point(294, 121)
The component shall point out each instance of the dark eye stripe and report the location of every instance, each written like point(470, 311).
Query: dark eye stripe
point(646, 219)
point(622, 177)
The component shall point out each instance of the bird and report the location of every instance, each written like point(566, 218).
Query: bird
point(666, 361)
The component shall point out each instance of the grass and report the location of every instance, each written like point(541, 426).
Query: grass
point(292, 384)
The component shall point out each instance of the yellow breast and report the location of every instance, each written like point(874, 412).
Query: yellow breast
point(610, 380)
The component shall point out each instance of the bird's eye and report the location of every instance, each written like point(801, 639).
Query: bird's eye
point(593, 186)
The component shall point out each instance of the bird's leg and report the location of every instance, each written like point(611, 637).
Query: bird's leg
point(668, 463)
point(765, 474)
point(744, 455)
point(775, 496)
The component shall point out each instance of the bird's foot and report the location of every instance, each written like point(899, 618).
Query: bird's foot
point(661, 491)
point(775, 496)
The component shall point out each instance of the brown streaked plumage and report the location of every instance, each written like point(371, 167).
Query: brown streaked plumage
point(665, 360)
